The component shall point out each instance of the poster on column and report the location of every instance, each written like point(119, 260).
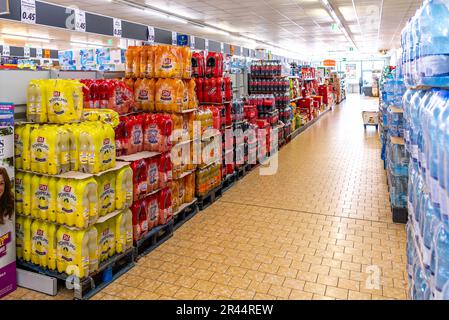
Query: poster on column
point(7, 222)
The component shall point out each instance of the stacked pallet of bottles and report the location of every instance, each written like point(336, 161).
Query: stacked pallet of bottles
point(156, 135)
point(72, 198)
point(270, 93)
point(214, 92)
point(426, 114)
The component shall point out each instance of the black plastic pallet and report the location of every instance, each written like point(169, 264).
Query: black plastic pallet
point(154, 239)
point(228, 182)
point(108, 271)
point(185, 214)
point(209, 198)
point(400, 215)
point(244, 170)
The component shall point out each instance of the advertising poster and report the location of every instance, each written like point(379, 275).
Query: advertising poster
point(7, 221)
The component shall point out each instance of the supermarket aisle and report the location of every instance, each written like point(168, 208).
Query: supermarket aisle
point(318, 229)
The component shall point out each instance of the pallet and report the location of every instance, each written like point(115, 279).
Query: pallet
point(108, 271)
point(209, 198)
point(228, 182)
point(400, 215)
point(153, 239)
point(186, 212)
point(243, 170)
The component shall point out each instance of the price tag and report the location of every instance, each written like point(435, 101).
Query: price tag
point(192, 42)
point(206, 45)
point(174, 38)
point(6, 51)
point(222, 47)
point(39, 53)
point(47, 54)
point(151, 36)
point(117, 28)
point(80, 20)
point(26, 52)
point(28, 11)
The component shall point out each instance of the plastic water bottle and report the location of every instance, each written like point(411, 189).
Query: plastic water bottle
point(442, 258)
point(434, 45)
point(431, 220)
point(446, 292)
point(411, 252)
point(426, 102)
point(406, 103)
point(421, 287)
point(444, 164)
point(441, 170)
point(415, 122)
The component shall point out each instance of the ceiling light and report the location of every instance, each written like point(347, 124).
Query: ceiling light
point(180, 20)
point(156, 13)
point(215, 30)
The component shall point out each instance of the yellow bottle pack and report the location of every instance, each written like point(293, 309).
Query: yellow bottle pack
point(19, 188)
point(73, 256)
point(43, 197)
point(124, 231)
point(64, 100)
point(93, 249)
point(106, 239)
point(42, 235)
point(25, 188)
point(40, 149)
point(36, 101)
point(107, 150)
point(23, 238)
point(18, 146)
point(26, 140)
point(106, 192)
point(124, 188)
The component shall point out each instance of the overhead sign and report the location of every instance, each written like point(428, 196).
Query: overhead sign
point(6, 51)
point(206, 44)
point(39, 53)
point(174, 38)
point(182, 40)
point(192, 42)
point(26, 52)
point(47, 54)
point(329, 63)
point(151, 36)
point(4, 7)
point(28, 11)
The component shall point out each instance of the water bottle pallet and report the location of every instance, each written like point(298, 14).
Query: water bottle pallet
point(228, 182)
point(153, 239)
point(209, 198)
point(186, 212)
point(108, 271)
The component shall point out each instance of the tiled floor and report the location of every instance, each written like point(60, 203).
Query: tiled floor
point(318, 229)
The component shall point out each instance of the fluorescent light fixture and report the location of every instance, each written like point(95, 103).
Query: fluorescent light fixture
point(214, 30)
point(180, 20)
point(156, 13)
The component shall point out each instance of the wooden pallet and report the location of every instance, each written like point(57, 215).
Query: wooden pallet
point(186, 212)
point(153, 239)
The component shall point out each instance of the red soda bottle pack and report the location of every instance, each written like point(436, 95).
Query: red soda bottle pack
point(140, 178)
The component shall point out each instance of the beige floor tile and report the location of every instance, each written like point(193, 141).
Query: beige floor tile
point(337, 292)
point(300, 295)
point(315, 288)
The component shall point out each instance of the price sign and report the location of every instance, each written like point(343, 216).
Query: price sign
point(39, 53)
point(192, 42)
point(206, 45)
point(174, 38)
point(117, 28)
point(47, 54)
point(80, 20)
point(26, 52)
point(28, 11)
point(151, 36)
point(6, 51)
point(222, 47)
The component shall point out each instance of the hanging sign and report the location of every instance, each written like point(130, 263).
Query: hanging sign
point(182, 40)
point(192, 42)
point(26, 52)
point(47, 54)
point(28, 11)
point(174, 38)
point(39, 53)
point(329, 63)
point(117, 28)
point(232, 49)
point(151, 36)
point(6, 51)
point(80, 20)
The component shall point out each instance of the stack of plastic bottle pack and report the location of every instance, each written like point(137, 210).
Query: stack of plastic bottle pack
point(425, 43)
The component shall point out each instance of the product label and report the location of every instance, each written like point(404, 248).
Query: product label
point(107, 196)
point(40, 150)
point(43, 197)
point(106, 240)
point(166, 95)
point(167, 63)
point(67, 200)
point(143, 95)
point(152, 135)
point(40, 243)
point(154, 173)
point(137, 135)
point(435, 65)
point(153, 210)
point(106, 151)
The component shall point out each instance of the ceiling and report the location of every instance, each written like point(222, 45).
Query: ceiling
point(303, 26)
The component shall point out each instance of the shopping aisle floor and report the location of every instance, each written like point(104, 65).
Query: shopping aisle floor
point(320, 228)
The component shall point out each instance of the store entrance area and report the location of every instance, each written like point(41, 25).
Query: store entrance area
point(320, 228)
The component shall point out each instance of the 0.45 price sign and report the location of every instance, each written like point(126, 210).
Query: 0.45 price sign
point(28, 11)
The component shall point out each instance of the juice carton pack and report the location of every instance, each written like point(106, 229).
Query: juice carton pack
point(77, 252)
point(152, 205)
point(43, 198)
point(186, 58)
point(135, 134)
point(167, 62)
point(107, 193)
point(106, 239)
point(77, 202)
point(140, 179)
point(43, 244)
point(177, 120)
point(23, 238)
point(147, 62)
point(36, 101)
point(165, 206)
point(129, 57)
point(136, 61)
point(153, 174)
point(140, 219)
point(124, 231)
point(124, 188)
point(144, 94)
